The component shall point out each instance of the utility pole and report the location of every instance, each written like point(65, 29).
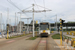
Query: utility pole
point(1, 26)
point(17, 25)
point(55, 25)
point(24, 11)
point(10, 24)
point(15, 21)
point(20, 22)
point(2, 29)
point(33, 19)
point(7, 15)
point(1, 22)
point(56, 22)
point(27, 26)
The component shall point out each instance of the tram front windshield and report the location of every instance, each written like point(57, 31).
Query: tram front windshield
point(44, 27)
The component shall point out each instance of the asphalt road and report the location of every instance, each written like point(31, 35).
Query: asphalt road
point(22, 44)
point(16, 44)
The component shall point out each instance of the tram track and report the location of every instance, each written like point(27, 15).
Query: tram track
point(42, 44)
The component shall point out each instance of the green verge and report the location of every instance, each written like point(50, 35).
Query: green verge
point(32, 38)
point(18, 36)
point(57, 36)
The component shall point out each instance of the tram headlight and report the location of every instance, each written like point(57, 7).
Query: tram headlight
point(44, 31)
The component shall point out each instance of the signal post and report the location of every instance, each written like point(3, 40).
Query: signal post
point(7, 31)
point(36, 27)
point(61, 31)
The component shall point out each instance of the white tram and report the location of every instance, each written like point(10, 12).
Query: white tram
point(44, 29)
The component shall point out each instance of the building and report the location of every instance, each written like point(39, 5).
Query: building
point(18, 26)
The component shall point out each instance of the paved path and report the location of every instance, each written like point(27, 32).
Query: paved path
point(52, 44)
point(16, 44)
point(23, 44)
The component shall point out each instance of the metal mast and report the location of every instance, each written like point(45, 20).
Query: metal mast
point(15, 22)
point(20, 22)
point(56, 22)
point(1, 22)
point(7, 15)
point(17, 25)
point(33, 19)
point(15, 18)
point(37, 11)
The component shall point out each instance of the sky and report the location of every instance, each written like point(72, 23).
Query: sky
point(64, 9)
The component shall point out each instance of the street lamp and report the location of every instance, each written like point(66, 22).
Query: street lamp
point(55, 20)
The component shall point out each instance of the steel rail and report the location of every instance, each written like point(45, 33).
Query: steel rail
point(46, 46)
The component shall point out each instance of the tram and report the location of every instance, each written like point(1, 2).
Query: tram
point(44, 29)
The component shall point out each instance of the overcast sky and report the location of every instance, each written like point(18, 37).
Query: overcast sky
point(64, 9)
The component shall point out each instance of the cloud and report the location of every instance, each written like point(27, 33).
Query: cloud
point(63, 8)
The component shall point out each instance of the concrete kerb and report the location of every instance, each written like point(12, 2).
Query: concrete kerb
point(66, 45)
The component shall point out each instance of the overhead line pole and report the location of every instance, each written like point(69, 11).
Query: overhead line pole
point(33, 19)
point(15, 18)
point(20, 22)
point(17, 25)
point(23, 11)
point(10, 24)
point(1, 22)
point(56, 22)
point(15, 21)
point(7, 15)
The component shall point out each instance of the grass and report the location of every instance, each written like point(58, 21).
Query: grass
point(57, 36)
point(17, 36)
point(32, 38)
